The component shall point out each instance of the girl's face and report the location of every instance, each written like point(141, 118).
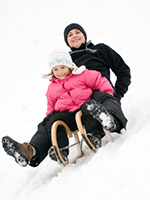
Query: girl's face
point(61, 71)
point(75, 38)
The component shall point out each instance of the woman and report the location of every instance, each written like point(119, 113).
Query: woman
point(102, 58)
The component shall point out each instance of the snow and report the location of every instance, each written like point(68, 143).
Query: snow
point(30, 29)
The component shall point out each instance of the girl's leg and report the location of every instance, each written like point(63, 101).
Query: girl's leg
point(30, 153)
point(62, 138)
point(41, 141)
point(69, 119)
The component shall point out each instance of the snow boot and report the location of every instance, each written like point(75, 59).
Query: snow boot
point(98, 112)
point(95, 139)
point(52, 154)
point(21, 152)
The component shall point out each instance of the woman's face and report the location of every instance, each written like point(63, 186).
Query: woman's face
point(75, 38)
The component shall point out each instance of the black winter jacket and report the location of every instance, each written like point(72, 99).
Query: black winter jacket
point(102, 58)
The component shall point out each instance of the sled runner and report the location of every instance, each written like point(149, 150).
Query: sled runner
point(83, 133)
point(71, 134)
point(55, 143)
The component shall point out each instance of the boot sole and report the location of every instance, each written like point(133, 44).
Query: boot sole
point(94, 140)
point(53, 157)
point(12, 150)
point(100, 114)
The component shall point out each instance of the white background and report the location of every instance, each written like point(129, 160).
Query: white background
point(29, 30)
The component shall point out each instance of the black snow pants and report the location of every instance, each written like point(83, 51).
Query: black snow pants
point(113, 107)
point(41, 141)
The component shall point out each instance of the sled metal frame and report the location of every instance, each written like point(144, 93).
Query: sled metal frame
point(81, 130)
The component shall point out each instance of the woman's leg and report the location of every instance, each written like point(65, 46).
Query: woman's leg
point(113, 107)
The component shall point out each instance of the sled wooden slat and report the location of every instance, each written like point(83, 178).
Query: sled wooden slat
point(55, 143)
point(81, 129)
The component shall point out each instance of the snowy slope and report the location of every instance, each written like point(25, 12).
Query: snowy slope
point(30, 29)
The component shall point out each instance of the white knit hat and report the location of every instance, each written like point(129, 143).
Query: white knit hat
point(60, 57)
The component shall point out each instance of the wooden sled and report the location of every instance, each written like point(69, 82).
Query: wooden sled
point(70, 134)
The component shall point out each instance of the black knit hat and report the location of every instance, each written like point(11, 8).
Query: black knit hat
point(73, 26)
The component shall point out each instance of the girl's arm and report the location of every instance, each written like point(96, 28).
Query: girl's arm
point(50, 102)
point(50, 108)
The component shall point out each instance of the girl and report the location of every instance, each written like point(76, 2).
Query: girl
point(102, 58)
point(70, 89)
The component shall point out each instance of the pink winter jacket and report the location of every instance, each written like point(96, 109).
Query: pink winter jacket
point(71, 92)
